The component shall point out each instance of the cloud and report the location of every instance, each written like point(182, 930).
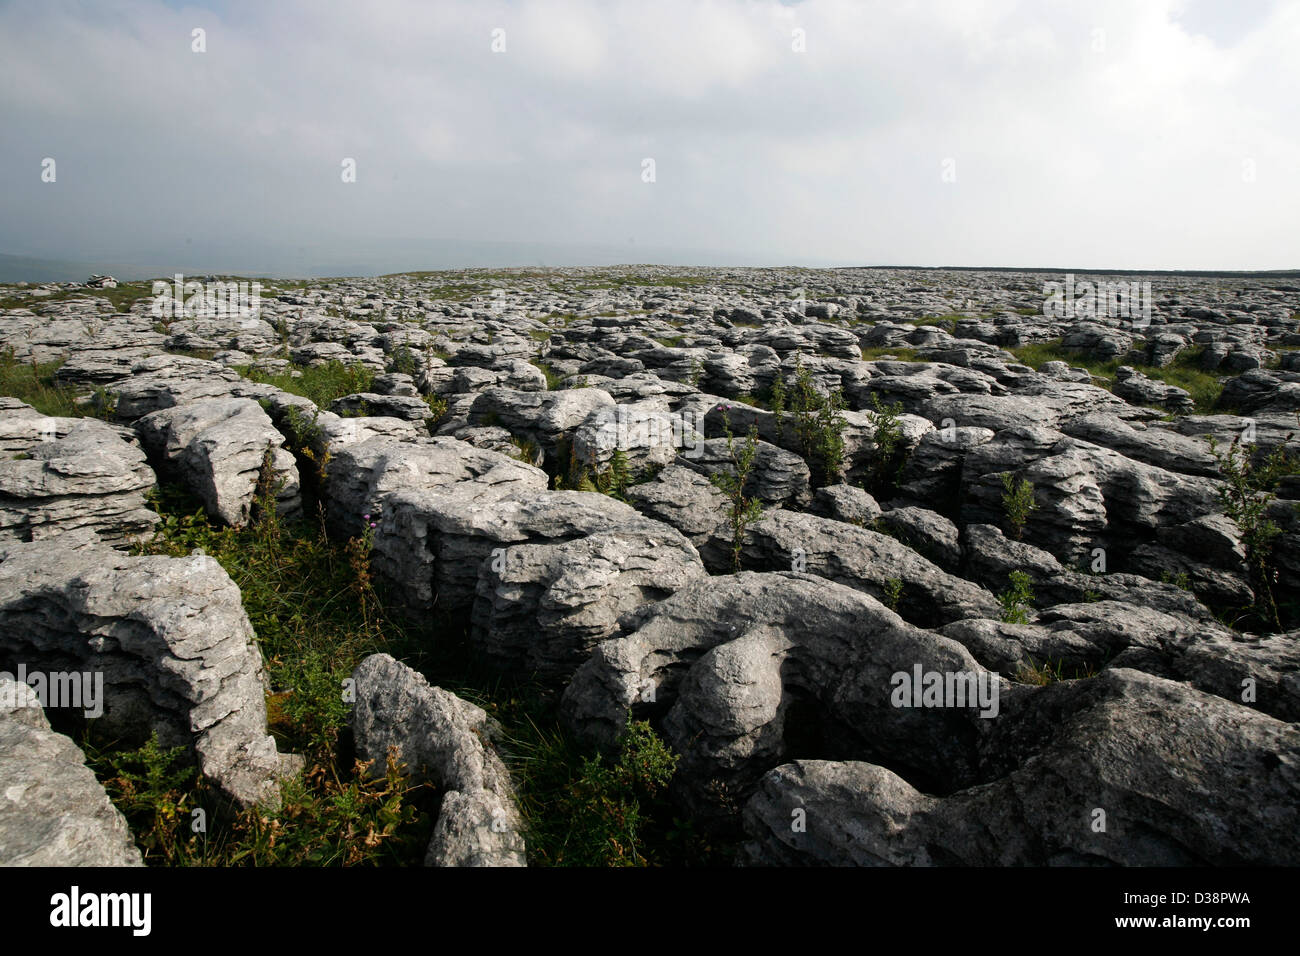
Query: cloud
point(1107, 133)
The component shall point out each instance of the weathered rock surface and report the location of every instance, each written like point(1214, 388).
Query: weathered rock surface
point(53, 812)
point(862, 559)
point(220, 449)
point(167, 636)
point(442, 740)
point(433, 544)
point(688, 501)
point(541, 608)
point(361, 475)
point(751, 666)
point(1179, 778)
point(545, 418)
point(1085, 496)
point(64, 474)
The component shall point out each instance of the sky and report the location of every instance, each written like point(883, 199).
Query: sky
point(1130, 134)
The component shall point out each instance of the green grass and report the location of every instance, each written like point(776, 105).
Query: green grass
point(35, 385)
point(554, 380)
point(948, 321)
point(321, 383)
point(896, 354)
point(123, 297)
point(1184, 372)
point(205, 354)
point(1040, 675)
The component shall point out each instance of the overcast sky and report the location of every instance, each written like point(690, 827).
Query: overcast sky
point(1107, 133)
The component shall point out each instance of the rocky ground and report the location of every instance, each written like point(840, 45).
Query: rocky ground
point(757, 508)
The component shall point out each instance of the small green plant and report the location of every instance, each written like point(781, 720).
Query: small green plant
point(695, 374)
point(1049, 673)
point(154, 788)
point(743, 510)
point(893, 592)
point(890, 453)
point(1017, 600)
point(438, 406)
point(1245, 496)
point(554, 380)
point(404, 361)
point(102, 403)
point(1017, 502)
point(320, 383)
point(819, 425)
point(776, 402)
point(527, 449)
point(307, 441)
point(618, 478)
point(1179, 580)
point(362, 410)
point(265, 516)
point(613, 480)
point(597, 816)
point(355, 820)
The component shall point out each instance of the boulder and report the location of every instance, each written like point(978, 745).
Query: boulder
point(68, 474)
point(1123, 769)
point(750, 667)
point(53, 811)
point(541, 608)
point(222, 449)
point(169, 639)
point(865, 560)
point(442, 740)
